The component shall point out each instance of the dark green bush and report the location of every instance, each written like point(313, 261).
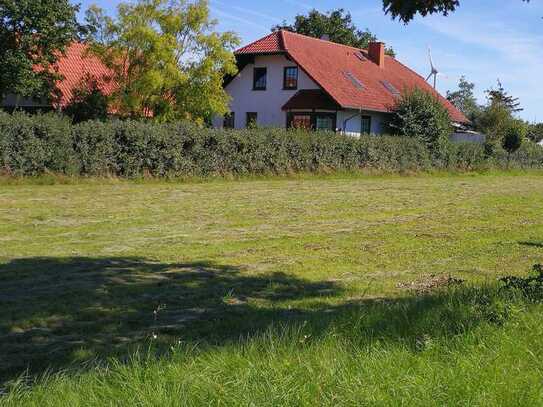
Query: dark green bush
point(420, 115)
point(32, 145)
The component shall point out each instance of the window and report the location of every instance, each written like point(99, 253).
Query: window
point(390, 87)
point(365, 126)
point(229, 120)
point(259, 78)
point(360, 56)
point(290, 78)
point(325, 122)
point(312, 121)
point(300, 121)
point(354, 80)
point(251, 120)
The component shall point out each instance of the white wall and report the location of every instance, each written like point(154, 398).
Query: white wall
point(267, 103)
point(378, 121)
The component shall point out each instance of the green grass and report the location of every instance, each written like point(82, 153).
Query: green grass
point(270, 292)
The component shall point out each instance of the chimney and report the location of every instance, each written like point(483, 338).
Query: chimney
point(376, 52)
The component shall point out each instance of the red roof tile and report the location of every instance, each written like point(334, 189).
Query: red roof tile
point(270, 44)
point(75, 66)
point(351, 81)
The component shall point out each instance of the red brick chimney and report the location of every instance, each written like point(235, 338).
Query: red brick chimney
point(376, 52)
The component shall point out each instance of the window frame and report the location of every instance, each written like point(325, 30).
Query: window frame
point(229, 121)
point(255, 80)
point(362, 118)
point(313, 117)
point(285, 70)
point(253, 116)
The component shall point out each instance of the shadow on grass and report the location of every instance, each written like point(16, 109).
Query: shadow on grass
point(58, 311)
point(61, 312)
point(532, 243)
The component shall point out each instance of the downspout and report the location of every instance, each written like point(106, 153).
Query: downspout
point(349, 119)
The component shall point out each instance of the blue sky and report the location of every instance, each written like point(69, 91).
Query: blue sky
point(484, 40)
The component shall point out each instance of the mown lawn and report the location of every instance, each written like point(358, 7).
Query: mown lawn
point(270, 292)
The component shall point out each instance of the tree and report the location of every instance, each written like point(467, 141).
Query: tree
point(497, 116)
point(500, 97)
point(535, 132)
point(405, 10)
point(464, 99)
point(33, 35)
point(421, 115)
point(515, 133)
point(166, 60)
point(88, 102)
point(336, 25)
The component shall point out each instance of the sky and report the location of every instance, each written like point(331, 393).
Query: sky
point(483, 40)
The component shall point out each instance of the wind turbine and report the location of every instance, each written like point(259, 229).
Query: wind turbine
point(434, 71)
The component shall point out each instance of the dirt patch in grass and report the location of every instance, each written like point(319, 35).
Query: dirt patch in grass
point(431, 283)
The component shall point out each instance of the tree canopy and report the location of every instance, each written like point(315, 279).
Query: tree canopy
point(165, 57)
point(336, 25)
point(405, 10)
point(499, 97)
point(33, 35)
point(464, 99)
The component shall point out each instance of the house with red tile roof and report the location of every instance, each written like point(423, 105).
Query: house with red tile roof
point(291, 80)
point(75, 66)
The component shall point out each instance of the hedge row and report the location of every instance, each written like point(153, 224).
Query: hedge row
point(32, 145)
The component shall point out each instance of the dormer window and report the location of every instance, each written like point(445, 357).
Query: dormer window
point(290, 78)
point(259, 78)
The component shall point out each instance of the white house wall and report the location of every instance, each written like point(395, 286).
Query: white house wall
point(267, 103)
point(352, 121)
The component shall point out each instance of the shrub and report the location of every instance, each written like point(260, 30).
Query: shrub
point(420, 115)
point(32, 145)
point(514, 135)
point(530, 286)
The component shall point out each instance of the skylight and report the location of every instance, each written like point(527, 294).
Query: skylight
point(360, 56)
point(390, 87)
point(354, 80)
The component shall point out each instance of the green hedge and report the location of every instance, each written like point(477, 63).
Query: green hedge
point(32, 145)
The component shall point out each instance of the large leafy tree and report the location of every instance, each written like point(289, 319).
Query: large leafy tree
point(336, 25)
point(405, 10)
point(167, 61)
point(33, 35)
point(464, 99)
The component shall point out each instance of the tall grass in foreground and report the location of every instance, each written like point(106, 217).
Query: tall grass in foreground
point(461, 346)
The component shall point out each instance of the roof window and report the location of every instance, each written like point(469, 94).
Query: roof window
point(354, 80)
point(390, 87)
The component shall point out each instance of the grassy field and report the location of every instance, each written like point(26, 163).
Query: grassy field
point(271, 292)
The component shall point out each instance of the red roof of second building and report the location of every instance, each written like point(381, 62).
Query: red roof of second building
point(347, 74)
point(75, 66)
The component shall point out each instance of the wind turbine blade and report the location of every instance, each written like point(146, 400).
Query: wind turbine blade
point(429, 76)
point(431, 60)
